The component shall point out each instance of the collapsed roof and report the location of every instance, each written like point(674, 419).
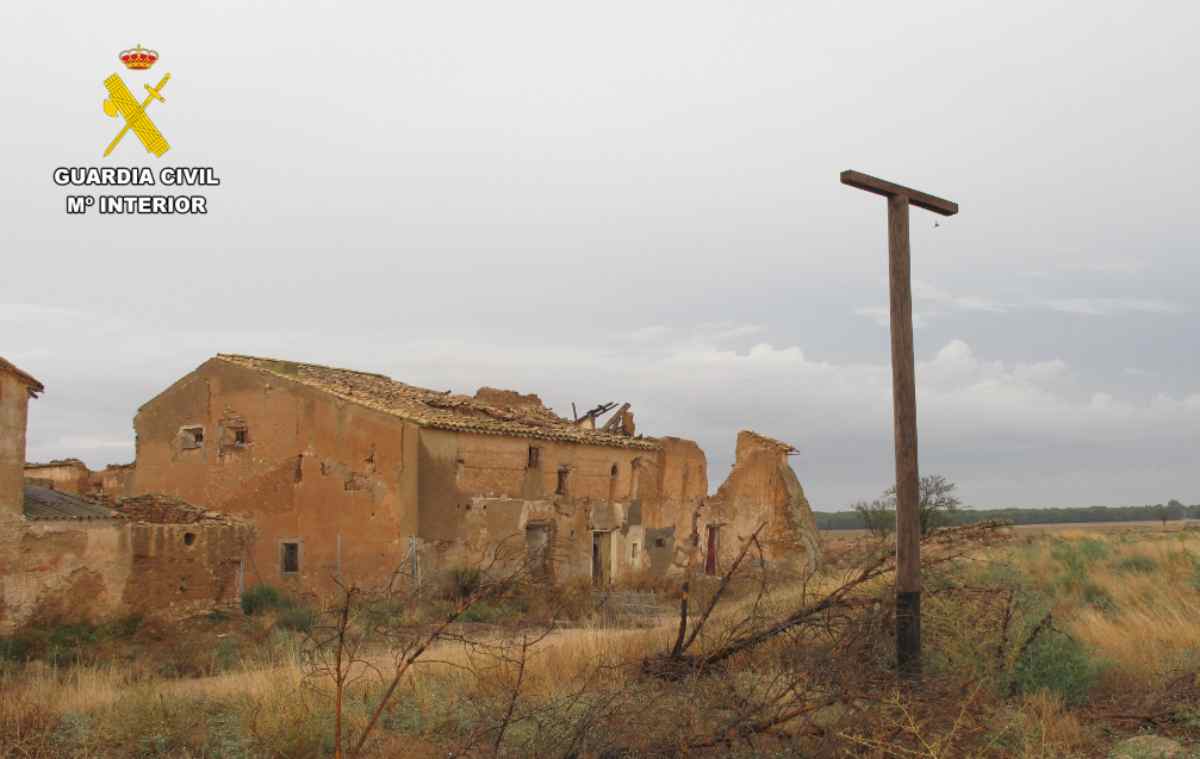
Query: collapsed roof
point(490, 412)
point(155, 508)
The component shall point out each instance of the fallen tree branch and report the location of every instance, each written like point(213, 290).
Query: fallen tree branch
point(959, 539)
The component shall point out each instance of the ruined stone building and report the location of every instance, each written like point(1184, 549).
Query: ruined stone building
point(302, 473)
point(74, 476)
point(64, 558)
point(352, 473)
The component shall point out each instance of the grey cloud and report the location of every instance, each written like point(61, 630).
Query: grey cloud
point(1106, 306)
point(640, 202)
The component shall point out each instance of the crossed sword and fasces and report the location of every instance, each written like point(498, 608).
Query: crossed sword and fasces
point(120, 100)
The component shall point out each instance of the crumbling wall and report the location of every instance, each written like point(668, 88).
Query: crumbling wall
point(567, 530)
point(181, 569)
point(73, 476)
point(476, 491)
point(660, 550)
point(465, 476)
point(672, 482)
point(498, 397)
point(14, 407)
point(70, 571)
point(113, 482)
point(336, 479)
point(513, 528)
point(763, 489)
point(91, 570)
point(64, 475)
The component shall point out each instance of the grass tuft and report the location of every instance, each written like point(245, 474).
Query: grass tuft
point(263, 598)
point(1136, 563)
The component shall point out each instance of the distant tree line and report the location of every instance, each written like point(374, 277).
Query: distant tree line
point(883, 511)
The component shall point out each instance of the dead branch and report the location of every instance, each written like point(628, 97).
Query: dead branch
point(1046, 623)
point(955, 543)
point(411, 651)
point(725, 578)
point(693, 544)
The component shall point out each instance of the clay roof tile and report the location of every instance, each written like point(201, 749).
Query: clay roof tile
point(438, 409)
point(44, 504)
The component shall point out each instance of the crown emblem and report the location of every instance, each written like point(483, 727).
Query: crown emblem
point(138, 58)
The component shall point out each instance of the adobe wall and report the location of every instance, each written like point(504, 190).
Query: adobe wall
point(113, 482)
point(88, 571)
point(762, 489)
point(65, 476)
point(458, 466)
point(14, 408)
point(336, 478)
point(69, 571)
point(476, 491)
point(506, 528)
point(73, 476)
point(671, 482)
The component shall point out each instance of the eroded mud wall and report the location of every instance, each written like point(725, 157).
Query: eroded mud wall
point(333, 482)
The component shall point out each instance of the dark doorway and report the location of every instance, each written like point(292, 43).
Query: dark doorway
point(710, 555)
point(601, 558)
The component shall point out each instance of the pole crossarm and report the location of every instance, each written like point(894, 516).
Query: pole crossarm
point(891, 190)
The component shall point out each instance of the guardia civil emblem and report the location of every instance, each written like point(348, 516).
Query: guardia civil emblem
point(121, 102)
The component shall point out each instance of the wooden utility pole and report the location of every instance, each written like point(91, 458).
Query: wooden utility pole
point(904, 410)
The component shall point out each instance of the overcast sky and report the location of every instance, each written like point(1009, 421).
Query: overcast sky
point(635, 201)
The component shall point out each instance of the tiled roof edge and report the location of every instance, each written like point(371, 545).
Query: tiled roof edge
point(25, 377)
point(557, 436)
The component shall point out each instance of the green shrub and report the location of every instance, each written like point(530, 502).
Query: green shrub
point(117, 629)
point(403, 717)
point(226, 655)
point(16, 648)
point(462, 582)
point(1077, 556)
point(1136, 564)
point(298, 618)
point(1098, 597)
point(264, 597)
point(1000, 573)
point(389, 612)
point(73, 731)
point(1079, 553)
point(1093, 550)
point(1058, 663)
point(71, 636)
point(64, 645)
point(482, 611)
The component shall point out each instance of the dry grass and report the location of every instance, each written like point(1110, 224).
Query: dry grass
point(1129, 596)
point(1042, 728)
point(1135, 600)
point(1155, 623)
